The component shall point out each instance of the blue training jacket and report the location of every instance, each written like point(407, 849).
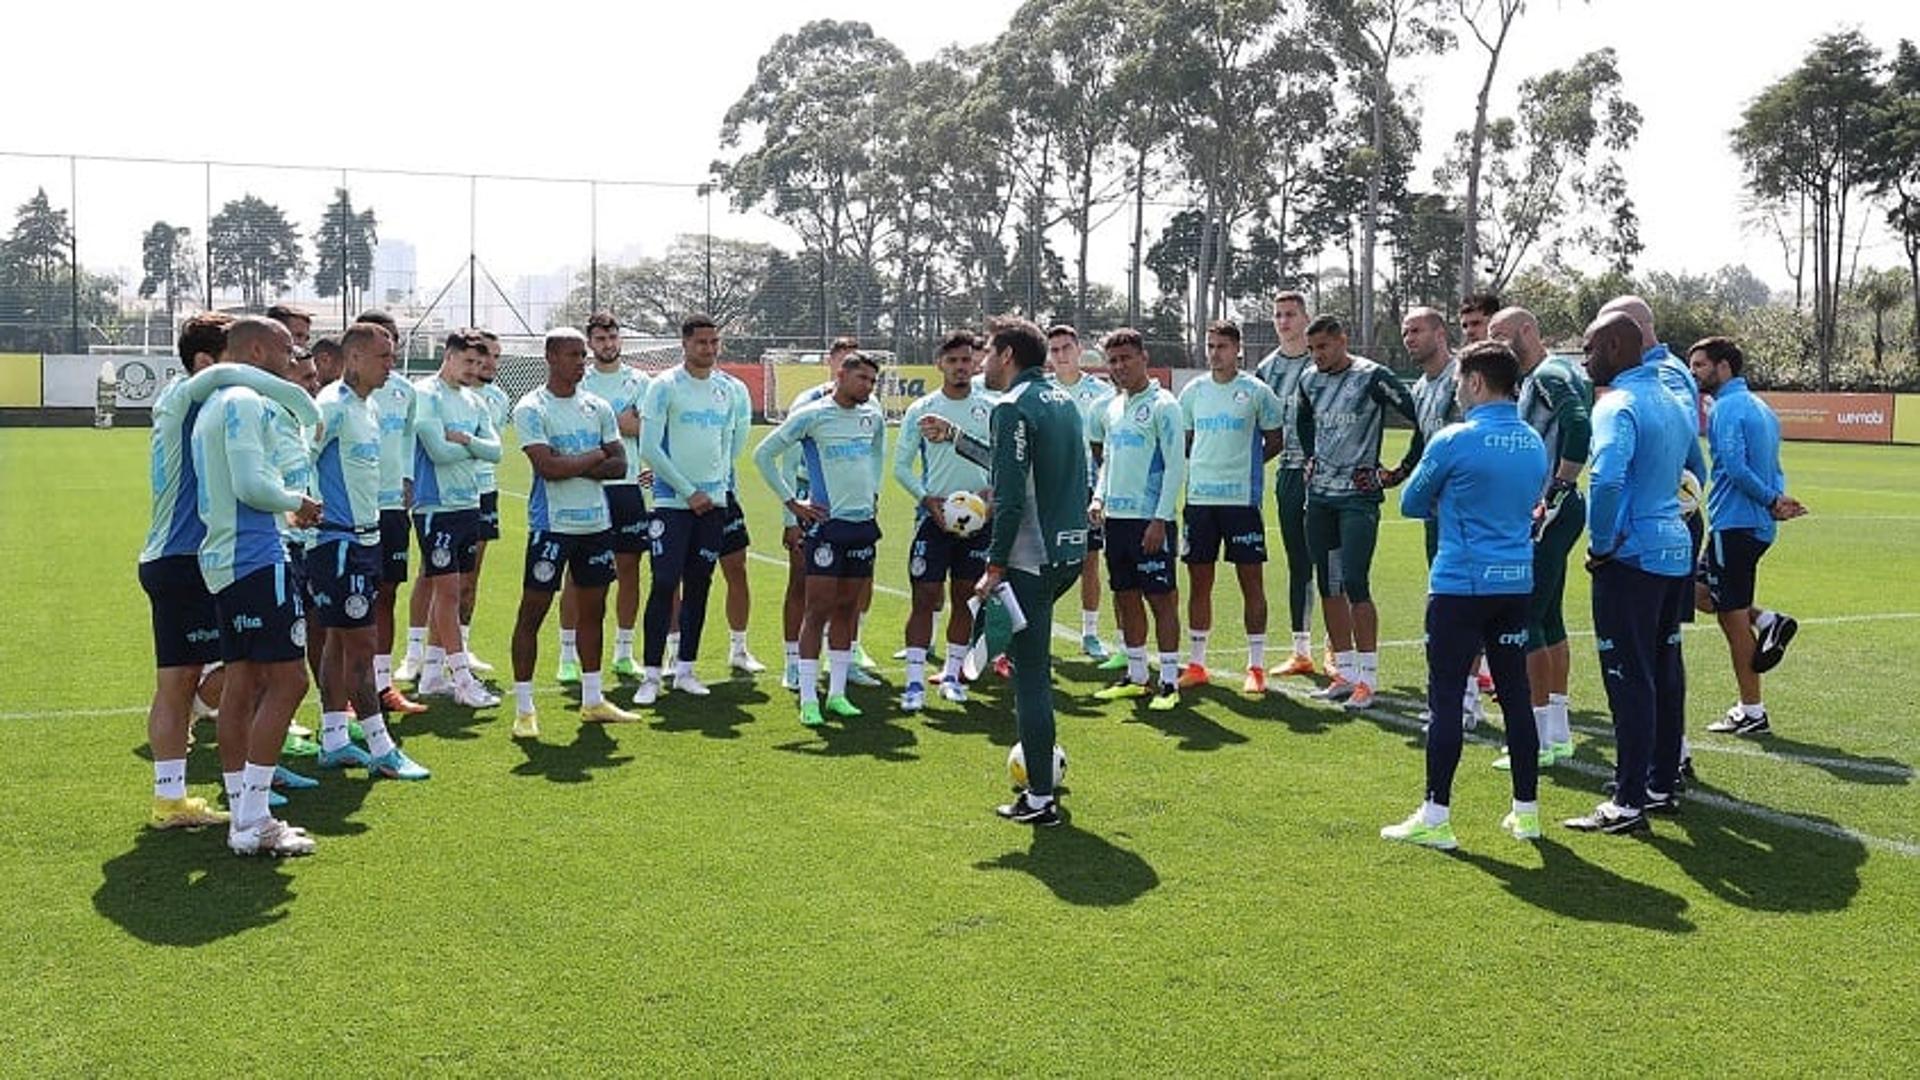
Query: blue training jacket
point(1679, 381)
point(1745, 438)
point(1479, 480)
point(1641, 432)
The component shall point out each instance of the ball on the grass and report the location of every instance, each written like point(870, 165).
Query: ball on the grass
point(1017, 765)
point(965, 513)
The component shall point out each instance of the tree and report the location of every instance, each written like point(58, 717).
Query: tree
point(343, 250)
point(1810, 134)
point(1895, 163)
point(254, 248)
point(39, 283)
point(1371, 35)
point(1556, 173)
point(653, 294)
point(168, 262)
point(1880, 291)
point(1490, 28)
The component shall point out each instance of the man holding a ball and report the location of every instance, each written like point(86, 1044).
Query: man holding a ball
point(945, 552)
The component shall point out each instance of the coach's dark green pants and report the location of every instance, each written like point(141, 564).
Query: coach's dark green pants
point(1290, 494)
point(1546, 615)
point(1032, 653)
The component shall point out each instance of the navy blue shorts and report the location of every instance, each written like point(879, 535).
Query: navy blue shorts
point(629, 513)
point(1241, 528)
point(842, 549)
point(1730, 567)
point(490, 515)
point(733, 530)
point(680, 536)
point(449, 539)
point(186, 629)
point(394, 539)
point(1096, 533)
point(588, 557)
point(262, 619)
point(297, 570)
point(343, 578)
point(938, 555)
point(1129, 567)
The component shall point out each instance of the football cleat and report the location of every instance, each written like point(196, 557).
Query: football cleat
point(1021, 811)
point(284, 777)
point(296, 746)
point(568, 672)
point(1737, 722)
point(838, 705)
point(648, 691)
point(790, 676)
point(1113, 662)
point(435, 684)
point(1561, 751)
point(184, 813)
point(1337, 690)
point(745, 663)
point(913, 698)
point(1771, 643)
point(396, 765)
point(409, 669)
point(1611, 819)
point(269, 836)
point(1360, 698)
point(1093, 648)
point(472, 695)
point(1255, 684)
point(604, 712)
point(1295, 665)
point(689, 684)
point(626, 667)
point(953, 690)
point(1193, 675)
point(1414, 830)
point(1661, 802)
point(526, 725)
point(1165, 699)
point(859, 676)
point(1505, 761)
point(349, 756)
point(810, 714)
point(1521, 826)
point(395, 703)
point(300, 729)
point(478, 666)
point(863, 661)
point(1122, 689)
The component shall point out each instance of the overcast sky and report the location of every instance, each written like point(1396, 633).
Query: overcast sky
point(637, 92)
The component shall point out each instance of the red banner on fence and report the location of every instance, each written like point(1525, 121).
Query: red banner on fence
point(1863, 418)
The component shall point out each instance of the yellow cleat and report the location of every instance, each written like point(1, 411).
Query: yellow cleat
point(184, 813)
point(1165, 699)
point(606, 712)
point(526, 725)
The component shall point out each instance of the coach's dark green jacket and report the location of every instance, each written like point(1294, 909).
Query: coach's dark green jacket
point(1038, 457)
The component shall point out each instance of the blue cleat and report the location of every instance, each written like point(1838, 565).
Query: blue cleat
point(350, 756)
point(396, 765)
point(284, 777)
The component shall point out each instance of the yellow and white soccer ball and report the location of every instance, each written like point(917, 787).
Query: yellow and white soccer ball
point(965, 512)
point(1017, 765)
point(1691, 495)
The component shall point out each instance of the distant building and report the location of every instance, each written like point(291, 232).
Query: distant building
point(395, 274)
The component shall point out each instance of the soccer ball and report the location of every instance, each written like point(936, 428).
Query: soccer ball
point(1017, 766)
point(1690, 494)
point(965, 513)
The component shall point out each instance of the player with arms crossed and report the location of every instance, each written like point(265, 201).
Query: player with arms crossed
point(1281, 371)
point(1343, 408)
point(931, 471)
point(1090, 394)
point(1233, 428)
point(572, 440)
point(500, 410)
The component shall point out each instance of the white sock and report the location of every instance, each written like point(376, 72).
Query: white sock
point(809, 679)
point(792, 651)
point(1256, 650)
point(1169, 668)
point(333, 730)
point(523, 696)
point(1369, 668)
point(623, 644)
point(1136, 663)
point(916, 665)
point(1562, 723)
point(1764, 620)
point(378, 741)
point(682, 669)
point(1090, 623)
point(1347, 665)
point(382, 672)
point(466, 637)
point(435, 668)
point(736, 641)
point(459, 669)
point(1433, 813)
point(255, 782)
point(233, 783)
point(1543, 723)
point(416, 642)
point(1197, 643)
point(569, 647)
point(1525, 807)
point(1037, 801)
point(590, 689)
point(170, 779)
point(956, 659)
point(651, 674)
point(1303, 643)
point(673, 645)
point(838, 660)
point(1754, 711)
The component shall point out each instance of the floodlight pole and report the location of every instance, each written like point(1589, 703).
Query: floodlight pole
point(73, 247)
point(473, 261)
point(209, 212)
point(593, 255)
point(706, 192)
point(344, 221)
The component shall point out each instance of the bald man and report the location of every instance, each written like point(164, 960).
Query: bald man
point(1424, 333)
point(1641, 560)
point(1556, 401)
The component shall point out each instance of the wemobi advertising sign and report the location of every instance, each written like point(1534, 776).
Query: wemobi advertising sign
point(1865, 418)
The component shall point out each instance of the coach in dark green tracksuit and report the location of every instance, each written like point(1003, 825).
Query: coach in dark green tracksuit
point(1039, 463)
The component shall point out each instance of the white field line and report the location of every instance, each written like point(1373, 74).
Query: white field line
point(1905, 848)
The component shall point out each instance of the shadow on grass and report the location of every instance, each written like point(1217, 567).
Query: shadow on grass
point(719, 715)
point(1080, 867)
point(1194, 731)
point(989, 718)
point(871, 735)
point(1570, 886)
point(1751, 862)
point(571, 763)
point(1836, 762)
point(187, 889)
point(445, 720)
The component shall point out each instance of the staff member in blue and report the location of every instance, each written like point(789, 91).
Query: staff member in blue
point(1641, 558)
point(1476, 485)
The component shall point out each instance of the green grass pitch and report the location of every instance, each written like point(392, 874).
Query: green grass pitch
point(719, 890)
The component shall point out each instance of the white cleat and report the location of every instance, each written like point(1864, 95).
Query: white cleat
point(478, 666)
point(648, 692)
point(269, 836)
point(474, 696)
point(409, 669)
point(745, 663)
point(689, 684)
point(434, 686)
point(953, 690)
point(913, 698)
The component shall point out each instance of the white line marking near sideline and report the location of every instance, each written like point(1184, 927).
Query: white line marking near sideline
point(1905, 848)
point(1739, 750)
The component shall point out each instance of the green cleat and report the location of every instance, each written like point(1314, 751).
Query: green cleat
point(810, 714)
point(625, 667)
point(1521, 826)
point(1416, 831)
point(356, 733)
point(1505, 761)
point(838, 705)
point(569, 672)
point(863, 661)
point(296, 746)
point(1165, 699)
point(1121, 690)
point(1113, 662)
point(1561, 751)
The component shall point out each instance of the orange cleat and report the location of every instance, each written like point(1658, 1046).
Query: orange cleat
point(1256, 682)
point(1361, 698)
point(1295, 665)
point(395, 703)
point(1193, 675)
